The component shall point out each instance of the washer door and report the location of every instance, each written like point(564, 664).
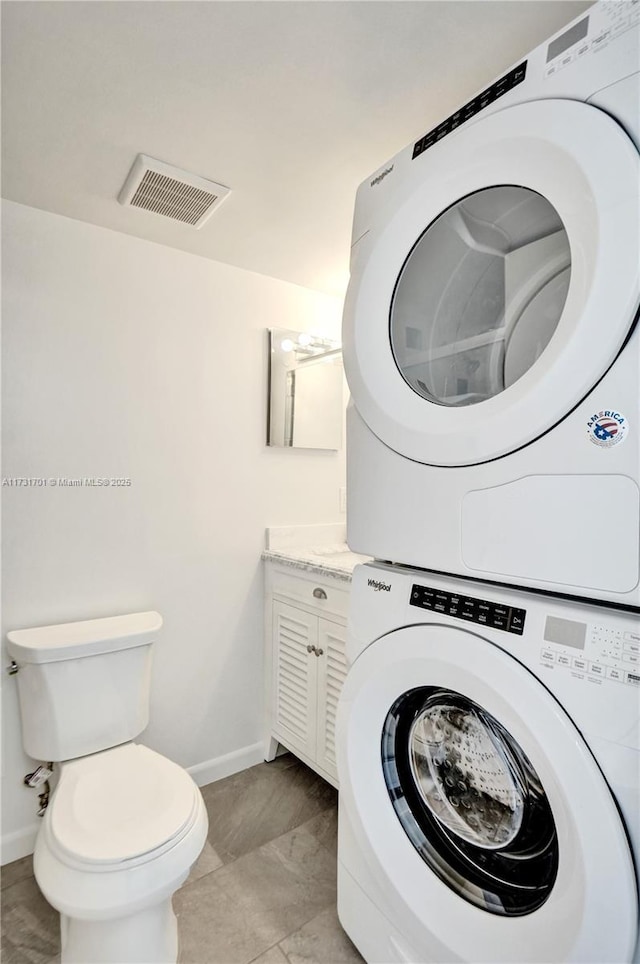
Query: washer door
point(479, 807)
point(500, 292)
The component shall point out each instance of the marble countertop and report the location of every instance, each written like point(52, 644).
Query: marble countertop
point(335, 560)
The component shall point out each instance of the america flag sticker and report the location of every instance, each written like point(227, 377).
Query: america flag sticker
point(607, 428)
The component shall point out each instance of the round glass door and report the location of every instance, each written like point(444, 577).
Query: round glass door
point(480, 295)
point(470, 801)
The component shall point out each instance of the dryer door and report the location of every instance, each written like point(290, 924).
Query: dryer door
point(471, 792)
point(488, 305)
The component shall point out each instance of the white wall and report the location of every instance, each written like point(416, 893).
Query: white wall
point(123, 358)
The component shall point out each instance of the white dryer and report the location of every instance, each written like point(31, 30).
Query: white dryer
point(489, 763)
point(491, 342)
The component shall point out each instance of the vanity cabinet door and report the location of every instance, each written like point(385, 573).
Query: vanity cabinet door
point(332, 670)
point(295, 638)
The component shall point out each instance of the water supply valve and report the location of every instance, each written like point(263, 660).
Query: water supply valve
point(39, 776)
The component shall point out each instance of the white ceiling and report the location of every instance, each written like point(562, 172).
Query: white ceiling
point(290, 104)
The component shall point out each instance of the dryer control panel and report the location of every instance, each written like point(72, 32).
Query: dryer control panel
point(594, 650)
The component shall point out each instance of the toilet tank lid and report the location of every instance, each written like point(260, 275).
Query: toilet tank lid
point(88, 637)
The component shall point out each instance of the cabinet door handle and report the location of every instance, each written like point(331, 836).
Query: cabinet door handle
point(310, 648)
point(319, 652)
point(319, 593)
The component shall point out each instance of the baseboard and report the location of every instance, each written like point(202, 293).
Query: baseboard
point(224, 766)
point(20, 843)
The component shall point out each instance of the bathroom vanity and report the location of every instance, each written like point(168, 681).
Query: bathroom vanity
point(306, 608)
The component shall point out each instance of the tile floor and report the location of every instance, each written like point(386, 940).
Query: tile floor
point(263, 891)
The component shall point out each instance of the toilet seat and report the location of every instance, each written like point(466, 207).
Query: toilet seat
point(119, 808)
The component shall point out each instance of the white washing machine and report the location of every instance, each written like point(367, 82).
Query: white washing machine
point(490, 329)
point(489, 763)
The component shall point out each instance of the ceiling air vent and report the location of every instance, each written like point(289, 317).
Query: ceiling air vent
point(163, 189)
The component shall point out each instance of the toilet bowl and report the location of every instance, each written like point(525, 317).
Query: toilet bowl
point(124, 824)
point(121, 833)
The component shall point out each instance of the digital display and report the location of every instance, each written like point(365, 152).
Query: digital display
point(568, 39)
point(566, 632)
point(497, 616)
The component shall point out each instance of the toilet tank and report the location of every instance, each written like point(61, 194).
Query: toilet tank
point(83, 686)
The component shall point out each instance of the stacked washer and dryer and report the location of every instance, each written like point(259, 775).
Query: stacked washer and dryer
point(489, 726)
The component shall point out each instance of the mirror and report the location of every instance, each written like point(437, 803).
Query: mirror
point(305, 391)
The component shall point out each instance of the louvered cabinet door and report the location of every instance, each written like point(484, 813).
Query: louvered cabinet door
point(295, 677)
point(332, 670)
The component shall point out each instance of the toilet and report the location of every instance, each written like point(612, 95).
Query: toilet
point(124, 825)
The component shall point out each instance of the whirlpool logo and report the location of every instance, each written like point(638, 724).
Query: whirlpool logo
point(379, 586)
point(381, 176)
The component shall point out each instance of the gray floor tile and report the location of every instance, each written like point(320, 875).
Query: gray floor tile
point(290, 878)
point(273, 956)
point(252, 807)
point(207, 862)
point(238, 912)
point(30, 926)
point(321, 941)
point(17, 870)
point(214, 930)
point(325, 828)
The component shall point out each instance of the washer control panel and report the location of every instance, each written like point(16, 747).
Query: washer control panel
point(470, 608)
point(594, 650)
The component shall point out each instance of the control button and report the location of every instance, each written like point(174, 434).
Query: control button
point(596, 668)
point(441, 602)
point(547, 656)
point(501, 611)
point(633, 678)
point(499, 622)
point(614, 673)
point(631, 647)
point(579, 664)
point(630, 658)
point(634, 637)
point(564, 660)
point(470, 109)
point(516, 622)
